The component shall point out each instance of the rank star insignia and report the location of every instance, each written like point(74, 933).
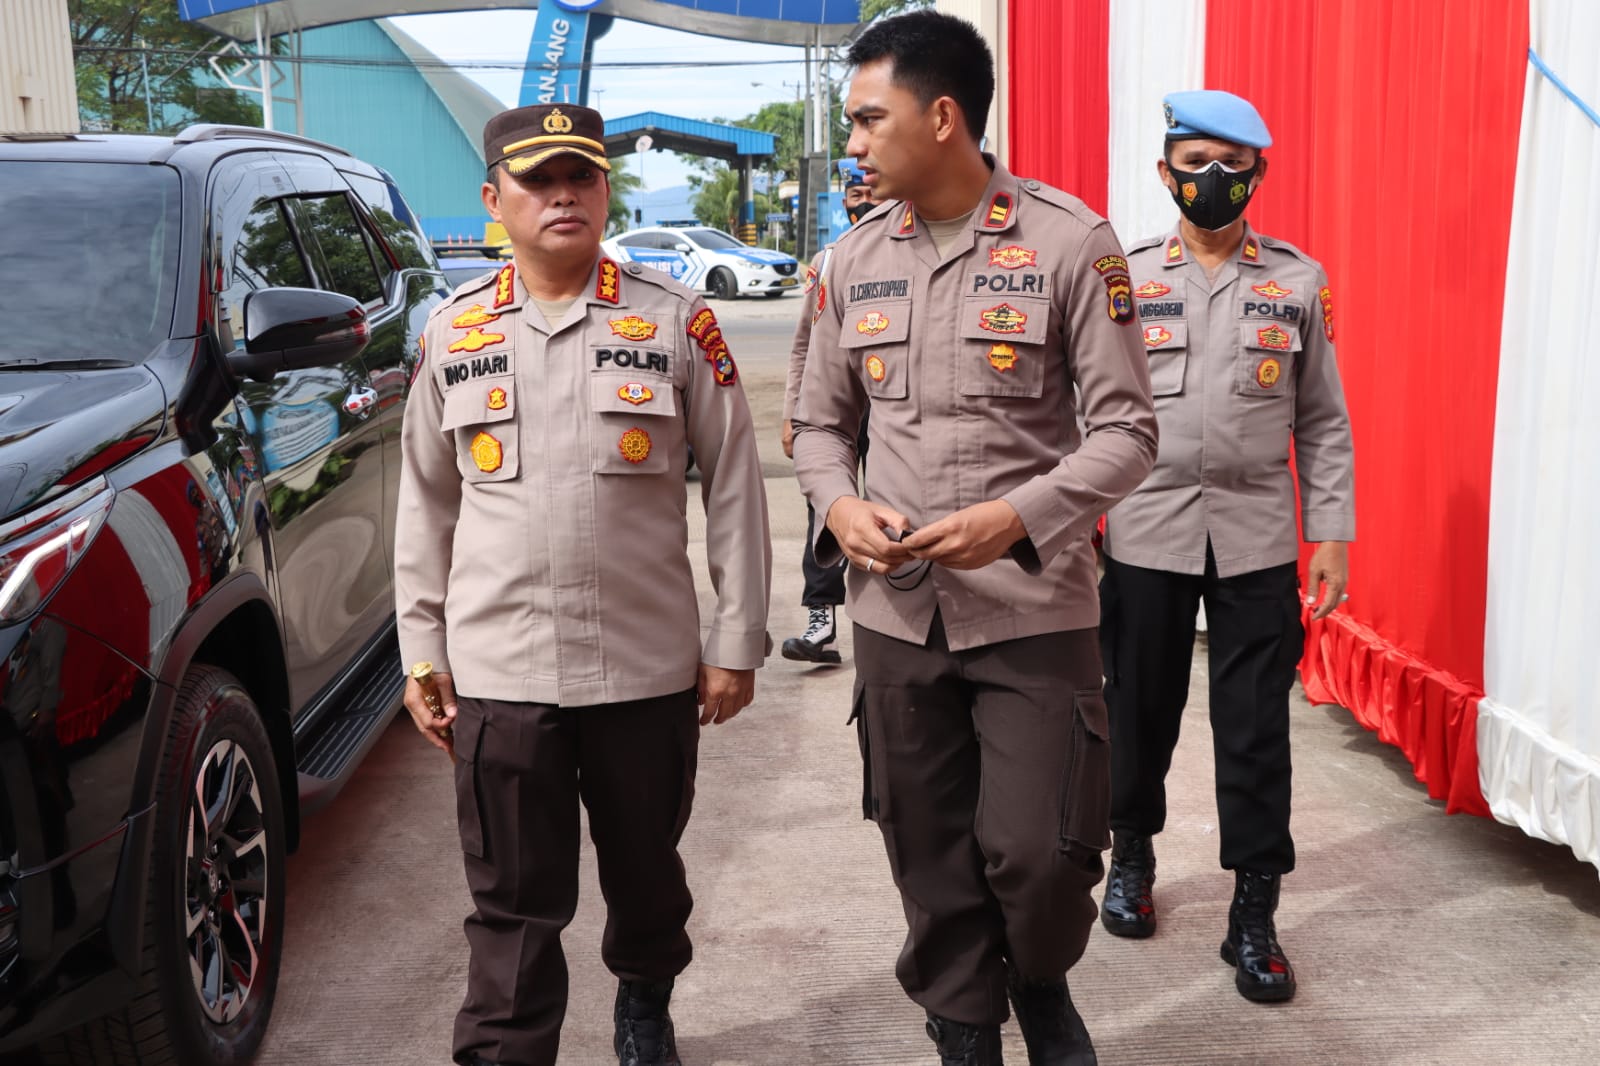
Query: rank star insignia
point(1156, 335)
point(1273, 337)
point(487, 453)
point(1151, 289)
point(1003, 319)
point(1013, 256)
point(875, 368)
point(634, 445)
point(1272, 291)
point(1267, 373)
point(635, 393)
point(476, 315)
point(497, 399)
point(874, 323)
point(1325, 296)
point(476, 341)
point(633, 327)
point(503, 287)
point(606, 285)
point(1002, 357)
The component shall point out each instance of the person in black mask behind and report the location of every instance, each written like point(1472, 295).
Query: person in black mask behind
point(1239, 328)
point(824, 585)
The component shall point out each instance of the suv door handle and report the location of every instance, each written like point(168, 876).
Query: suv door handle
point(360, 402)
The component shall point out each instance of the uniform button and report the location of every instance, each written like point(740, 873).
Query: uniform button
point(635, 268)
point(1031, 185)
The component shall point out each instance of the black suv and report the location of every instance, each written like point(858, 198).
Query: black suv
point(205, 346)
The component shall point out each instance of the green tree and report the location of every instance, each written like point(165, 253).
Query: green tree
point(624, 194)
point(716, 198)
point(874, 9)
point(124, 49)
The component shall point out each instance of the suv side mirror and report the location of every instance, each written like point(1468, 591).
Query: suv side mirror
point(292, 329)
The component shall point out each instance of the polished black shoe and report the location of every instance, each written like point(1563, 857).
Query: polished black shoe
point(812, 645)
point(644, 1026)
point(1051, 1028)
point(1263, 971)
point(1129, 907)
point(961, 1044)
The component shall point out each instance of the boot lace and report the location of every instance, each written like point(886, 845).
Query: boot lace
point(819, 626)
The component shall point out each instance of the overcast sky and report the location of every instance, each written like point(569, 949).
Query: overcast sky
point(701, 92)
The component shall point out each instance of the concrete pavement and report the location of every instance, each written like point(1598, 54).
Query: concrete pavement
point(1418, 938)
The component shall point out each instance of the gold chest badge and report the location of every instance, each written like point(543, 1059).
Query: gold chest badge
point(875, 368)
point(476, 315)
point(1267, 373)
point(487, 453)
point(497, 399)
point(1003, 318)
point(635, 445)
point(1002, 357)
point(633, 328)
point(635, 393)
point(476, 341)
point(874, 323)
point(1273, 337)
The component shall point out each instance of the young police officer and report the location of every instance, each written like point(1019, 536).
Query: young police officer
point(824, 585)
point(1240, 330)
point(541, 567)
point(981, 315)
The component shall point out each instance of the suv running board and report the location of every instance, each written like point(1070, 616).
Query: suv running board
point(329, 754)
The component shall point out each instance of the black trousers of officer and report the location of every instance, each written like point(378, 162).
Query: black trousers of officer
point(988, 773)
point(824, 585)
point(1255, 638)
point(521, 771)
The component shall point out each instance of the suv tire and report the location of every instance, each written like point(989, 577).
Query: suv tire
point(724, 286)
point(217, 751)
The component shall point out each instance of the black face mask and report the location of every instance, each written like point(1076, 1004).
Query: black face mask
point(857, 212)
point(1213, 198)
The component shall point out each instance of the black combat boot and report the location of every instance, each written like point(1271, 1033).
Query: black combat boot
point(644, 1026)
point(1051, 1028)
point(961, 1044)
point(1264, 974)
point(812, 645)
point(1129, 907)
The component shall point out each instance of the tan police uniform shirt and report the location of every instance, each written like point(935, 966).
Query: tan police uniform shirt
point(542, 547)
point(1239, 365)
point(802, 335)
point(977, 365)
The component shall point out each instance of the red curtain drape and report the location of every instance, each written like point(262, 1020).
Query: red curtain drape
point(1059, 82)
point(1397, 135)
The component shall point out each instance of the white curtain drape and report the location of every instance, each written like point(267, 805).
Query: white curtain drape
point(1157, 47)
point(1539, 725)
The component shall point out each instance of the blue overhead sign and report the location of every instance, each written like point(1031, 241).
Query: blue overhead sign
point(554, 71)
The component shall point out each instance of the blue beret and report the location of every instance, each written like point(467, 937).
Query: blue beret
point(1214, 113)
point(852, 174)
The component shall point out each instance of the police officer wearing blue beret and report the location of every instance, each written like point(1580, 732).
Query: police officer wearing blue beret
point(1239, 329)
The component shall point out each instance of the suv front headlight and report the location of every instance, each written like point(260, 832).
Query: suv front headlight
point(39, 549)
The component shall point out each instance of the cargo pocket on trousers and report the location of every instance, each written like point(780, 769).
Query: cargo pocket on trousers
point(1086, 781)
point(469, 744)
point(858, 715)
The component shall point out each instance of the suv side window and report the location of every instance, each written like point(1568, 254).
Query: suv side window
point(393, 218)
point(344, 258)
point(267, 255)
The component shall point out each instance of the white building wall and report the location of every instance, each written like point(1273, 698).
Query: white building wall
point(990, 18)
point(38, 93)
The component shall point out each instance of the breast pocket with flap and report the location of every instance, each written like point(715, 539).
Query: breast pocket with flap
point(481, 412)
point(1002, 346)
point(876, 336)
point(635, 427)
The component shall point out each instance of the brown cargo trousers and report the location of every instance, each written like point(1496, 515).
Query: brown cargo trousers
point(988, 772)
point(521, 770)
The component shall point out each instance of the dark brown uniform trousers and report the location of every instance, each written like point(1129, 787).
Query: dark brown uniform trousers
point(521, 769)
point(1254, 638)
point(987, 771)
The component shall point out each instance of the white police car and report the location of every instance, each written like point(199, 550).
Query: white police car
point(707, 260)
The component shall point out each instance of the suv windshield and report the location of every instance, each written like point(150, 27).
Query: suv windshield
point(714, 239)
point(88, 261)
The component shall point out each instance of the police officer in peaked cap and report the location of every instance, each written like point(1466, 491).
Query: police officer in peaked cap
point(1239, 328)
point(541, 569)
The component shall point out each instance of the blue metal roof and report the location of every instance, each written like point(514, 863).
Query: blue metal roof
point(743, 141)
point(790, 22)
